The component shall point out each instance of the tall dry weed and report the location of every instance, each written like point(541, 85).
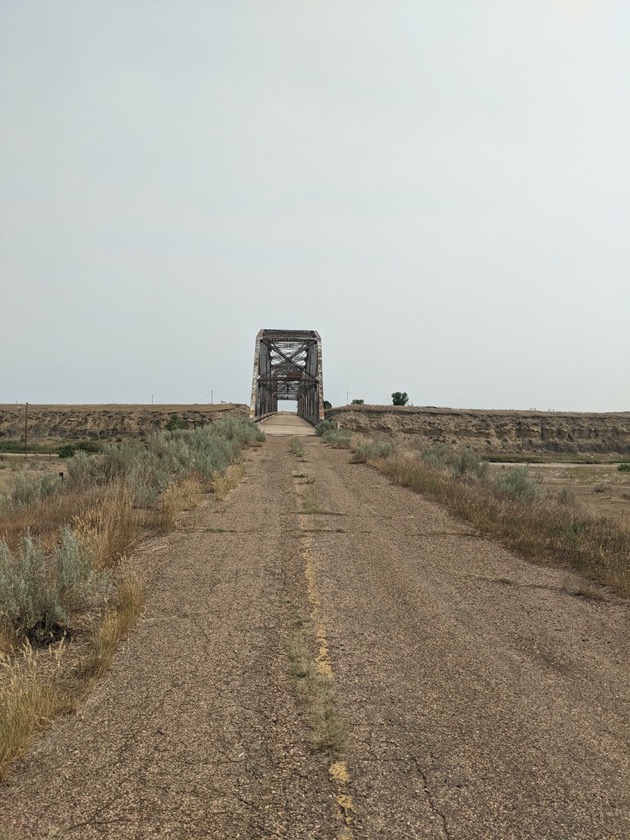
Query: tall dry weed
point(116, 625)
point(179, 496)
point(223, 483)
point(110, 527)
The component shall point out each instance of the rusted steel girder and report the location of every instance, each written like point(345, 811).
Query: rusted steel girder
point(288, 366)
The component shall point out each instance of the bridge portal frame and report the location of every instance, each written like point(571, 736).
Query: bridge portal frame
point(288, 366)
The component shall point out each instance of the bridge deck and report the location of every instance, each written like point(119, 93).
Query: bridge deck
point(286, 423)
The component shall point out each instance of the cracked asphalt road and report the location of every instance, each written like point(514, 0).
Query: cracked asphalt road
point(479, 698)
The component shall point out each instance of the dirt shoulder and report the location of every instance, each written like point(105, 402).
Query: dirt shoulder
point(477, 697)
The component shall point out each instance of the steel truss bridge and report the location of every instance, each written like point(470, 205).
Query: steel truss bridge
point(288, 366)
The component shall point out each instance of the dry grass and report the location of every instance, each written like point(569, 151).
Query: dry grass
point(117, 624)
point(316, 693)
point(45, 519)
point(222, 484)
point(541, 529)
point(28, 703)
point(36, 686)
point(111, 527)
point(179, 496)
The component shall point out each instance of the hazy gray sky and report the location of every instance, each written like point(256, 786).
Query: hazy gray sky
point(442, 189)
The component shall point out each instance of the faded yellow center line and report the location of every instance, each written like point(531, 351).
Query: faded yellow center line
point(322, 661)
point(338, 770)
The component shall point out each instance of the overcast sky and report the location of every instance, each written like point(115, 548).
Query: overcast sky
point(441, 189)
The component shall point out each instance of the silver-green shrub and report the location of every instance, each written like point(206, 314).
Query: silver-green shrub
point(337, 438)
point(28, 489)
point(324, 426)
point(84, 471)
point(439, 456)
point(39, 592)
point(517, 483)
point(468, 464)
point(378, 449)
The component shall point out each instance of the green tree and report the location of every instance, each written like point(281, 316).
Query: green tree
point(400, 398)
point(358, 402)
point(175, 422)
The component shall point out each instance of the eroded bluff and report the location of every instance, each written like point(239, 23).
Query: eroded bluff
point(488, 432)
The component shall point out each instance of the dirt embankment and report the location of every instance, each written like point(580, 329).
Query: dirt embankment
point(498, 432)
point(104, 422)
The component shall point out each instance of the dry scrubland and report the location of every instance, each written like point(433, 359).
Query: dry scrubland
point(71, 586)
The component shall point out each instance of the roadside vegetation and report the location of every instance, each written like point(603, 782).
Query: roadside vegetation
point(511, 506)
point(68, 593)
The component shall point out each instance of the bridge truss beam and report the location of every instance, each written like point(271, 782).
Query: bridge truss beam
point(288, 366)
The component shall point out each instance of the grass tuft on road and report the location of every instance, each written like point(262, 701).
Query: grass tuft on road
point(296, 447)
point(222, 483)
point(316, 694)
point(309, 500)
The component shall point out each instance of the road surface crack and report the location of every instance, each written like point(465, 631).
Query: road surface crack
point(430, 799)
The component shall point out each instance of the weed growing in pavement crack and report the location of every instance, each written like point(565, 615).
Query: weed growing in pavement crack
point(309, 501)
point(296, 447)
point(308, 479)
point(310, 505)
point(584, 591)
point(315, 693)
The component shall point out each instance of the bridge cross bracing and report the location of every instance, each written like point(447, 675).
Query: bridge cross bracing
point(288, 366)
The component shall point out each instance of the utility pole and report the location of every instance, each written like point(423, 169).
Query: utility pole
point(211, 397)
point(348, 397)
point(26, 430)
